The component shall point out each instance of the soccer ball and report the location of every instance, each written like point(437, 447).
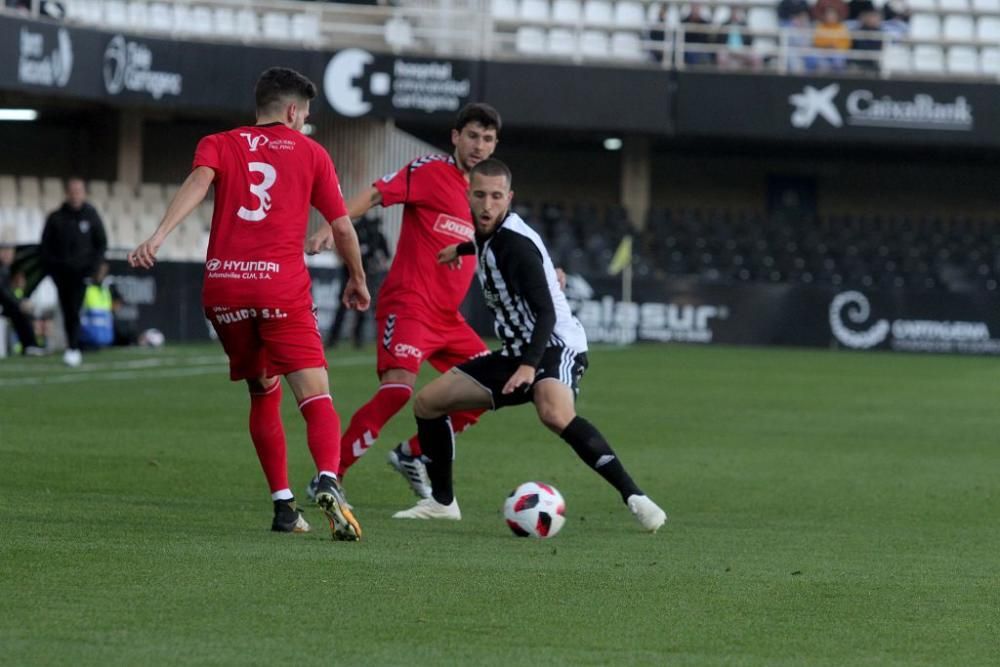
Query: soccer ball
point(152, 338)
point(535, 510)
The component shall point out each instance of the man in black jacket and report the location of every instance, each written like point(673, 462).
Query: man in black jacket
point(73, 245)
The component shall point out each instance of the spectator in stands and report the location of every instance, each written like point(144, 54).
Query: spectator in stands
point(698, 17)
point(831, 33)
point(13, 307)
point(73, 245)
point(896, 17)
point(799, 37)
point(819, 9)
point(658, 35)
point(869, 21)
point(375, 258)
point(737, 40)
point(855, 8)
point(789, 9)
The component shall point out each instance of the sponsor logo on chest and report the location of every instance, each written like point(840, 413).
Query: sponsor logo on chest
point(235, 269)
point(454, 227)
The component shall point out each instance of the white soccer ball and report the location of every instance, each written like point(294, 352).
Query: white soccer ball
point(535, 509)
point(152, 338)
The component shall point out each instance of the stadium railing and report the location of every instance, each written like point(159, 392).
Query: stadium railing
point(943, 37)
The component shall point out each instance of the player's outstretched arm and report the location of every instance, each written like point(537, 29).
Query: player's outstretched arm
point(362, 202)
point(452, 254)
point(449, 255)
point(191, 193)
point(345, 239)
point(357, 206)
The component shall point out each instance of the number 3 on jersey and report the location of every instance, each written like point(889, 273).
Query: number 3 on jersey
point(260, 192)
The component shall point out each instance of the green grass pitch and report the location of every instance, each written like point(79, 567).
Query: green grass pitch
point(825, 509)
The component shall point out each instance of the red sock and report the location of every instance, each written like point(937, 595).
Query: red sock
point(459, 422)
point(322, 431)
point(268, 436)
point(368, 422)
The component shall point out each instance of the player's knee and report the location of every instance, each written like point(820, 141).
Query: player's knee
point(555, 417)
point(398, 376)
point(425, 406)
point(308, 382)
point(261, 385)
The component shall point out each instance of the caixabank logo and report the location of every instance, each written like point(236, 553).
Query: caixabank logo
point(838, 106)
point(357, 83)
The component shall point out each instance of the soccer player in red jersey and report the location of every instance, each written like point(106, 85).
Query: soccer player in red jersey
point(417, 307)
point(257, 291)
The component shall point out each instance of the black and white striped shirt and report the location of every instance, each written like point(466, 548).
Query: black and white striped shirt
point(521, 288)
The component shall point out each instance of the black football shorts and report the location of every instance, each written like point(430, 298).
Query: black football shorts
point(493, 370)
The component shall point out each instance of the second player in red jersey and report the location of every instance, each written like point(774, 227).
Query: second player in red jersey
point(432, 191)
point(257, 290)
point(417, 307)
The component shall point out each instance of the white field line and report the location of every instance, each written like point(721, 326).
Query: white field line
point(145, 362)
point(204, 366)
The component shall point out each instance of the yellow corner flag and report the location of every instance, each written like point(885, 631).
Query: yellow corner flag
point(622, 257)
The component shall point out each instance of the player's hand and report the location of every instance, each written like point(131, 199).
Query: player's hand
point(321, 240)
point(522, 378)
point(144, 256)
point(561, 278)
point(449, 255)
point(356, 296)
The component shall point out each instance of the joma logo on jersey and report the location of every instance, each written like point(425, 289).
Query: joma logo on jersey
point(254, 140)
point(454, 227)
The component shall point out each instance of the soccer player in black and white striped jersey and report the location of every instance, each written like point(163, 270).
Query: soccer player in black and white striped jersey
point(542, 360)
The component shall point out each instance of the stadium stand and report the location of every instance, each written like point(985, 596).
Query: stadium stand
point(718, 245)
point(941, 38)
point(739, 246)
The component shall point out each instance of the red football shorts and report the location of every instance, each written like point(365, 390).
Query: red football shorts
point(407, 342)
point(267, 341)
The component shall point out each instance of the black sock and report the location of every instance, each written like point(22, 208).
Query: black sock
point(437, 441)
point(590, 445)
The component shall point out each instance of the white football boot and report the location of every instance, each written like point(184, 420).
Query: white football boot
point(428, 508)
point(646, 512)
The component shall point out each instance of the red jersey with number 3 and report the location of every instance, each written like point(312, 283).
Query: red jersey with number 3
point(436, 214)
point(266, 178)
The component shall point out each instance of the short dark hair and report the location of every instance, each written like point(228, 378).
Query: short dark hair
point(478, 112)
point(275, 84)
point(492, 167)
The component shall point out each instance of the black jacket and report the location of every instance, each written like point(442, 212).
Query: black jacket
point(73, 241)
point(6, 293)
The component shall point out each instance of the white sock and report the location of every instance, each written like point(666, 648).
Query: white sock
point(327, 473)
point(283, 494)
